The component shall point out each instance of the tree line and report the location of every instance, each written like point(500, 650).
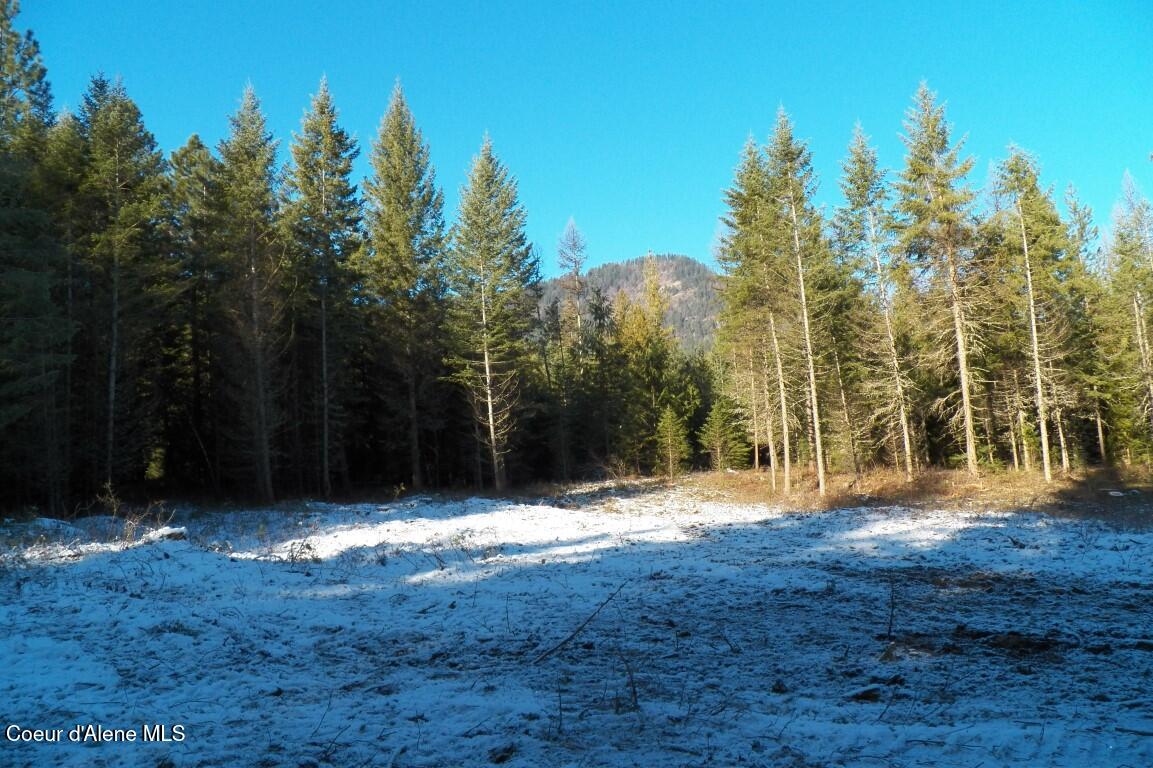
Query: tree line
point(921, 324)
point(211, 323)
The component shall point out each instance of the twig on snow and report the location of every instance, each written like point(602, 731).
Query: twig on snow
point(326, 711)
point(583, 624)
point(468, 733)
point(1134, 731)
point(396, 754)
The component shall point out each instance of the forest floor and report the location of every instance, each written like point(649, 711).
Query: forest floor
point(632, 624)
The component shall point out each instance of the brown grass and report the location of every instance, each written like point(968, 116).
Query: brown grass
point(1120, 496)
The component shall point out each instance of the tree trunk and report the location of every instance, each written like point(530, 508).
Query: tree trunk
point(769, 426)
point(962, 361)
point(262, 424)
point(1013, 446)
point(813, 404)
point(1042, 423)
point(784, 403)
point(1143, 348)
point(1100, 427)
point(113, 360)
point(498, 478)
point(414, 430)
point(325, 470)
point(755, 421)
point(66, 446)
point(848, 415)
point(1020, 424)
point(894, 359)
point(1057, 417)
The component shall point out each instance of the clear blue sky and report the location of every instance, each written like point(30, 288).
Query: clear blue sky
point(630, 116)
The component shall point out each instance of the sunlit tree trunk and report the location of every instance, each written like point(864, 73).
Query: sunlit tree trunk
point(783, 402)
point(1035, 349)
point(809, 357)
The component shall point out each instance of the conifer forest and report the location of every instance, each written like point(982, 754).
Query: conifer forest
point(249, 321)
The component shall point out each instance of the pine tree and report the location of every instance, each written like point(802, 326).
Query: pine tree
point(1095, 375)
point(34, 333)
point(493, 276)
point(571, 254)
point(651, 374)
point(25, 95)
point(1130, 267)
point(791, 185)
point(934, 229)
point(752, 293)
point(863, 229)
point(322, 214)
point(1037, 238)
point(672, 440)
point(722, 438)
point(564, 326)
point(597, 401)
point(124, 189)
point(251, 251)
point(405, 268)
point(196, 367)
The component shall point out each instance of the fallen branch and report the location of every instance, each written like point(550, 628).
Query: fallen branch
point(578, 630)
point(1134, 731)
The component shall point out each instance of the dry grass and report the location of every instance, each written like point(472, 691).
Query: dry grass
point(1123, 497)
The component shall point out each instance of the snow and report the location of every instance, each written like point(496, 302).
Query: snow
point(611, 626)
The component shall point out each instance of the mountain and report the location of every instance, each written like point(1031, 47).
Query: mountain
point(689, 288)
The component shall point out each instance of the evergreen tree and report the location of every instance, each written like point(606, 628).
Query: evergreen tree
point(597, 401)
point(25, 95)
point(651, 375)
point(752, 292)
point(722, 438)
point(196, 356)
point(493, 275)
point(34, 333)
point(791, 186)
point(1095, 375)
point(562, 329)
point(251, 251)
point(1035, 239)
point(863, 230)
point(672, 441)
point(934, 229)
point(405, 268)
point(1130, 272)
point(322, 215)
point(123, 192)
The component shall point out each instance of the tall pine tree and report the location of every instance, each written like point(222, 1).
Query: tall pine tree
point(34, 333)
point(404, 271)
point(493, 275)
point(128, 275)
point(934, 206)
point(252, 251)
point(863, 228)
point(197, 361)
point(322, 215)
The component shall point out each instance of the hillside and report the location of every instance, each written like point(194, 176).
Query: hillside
point(689, 287)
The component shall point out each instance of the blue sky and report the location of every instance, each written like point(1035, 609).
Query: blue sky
point(627, 116)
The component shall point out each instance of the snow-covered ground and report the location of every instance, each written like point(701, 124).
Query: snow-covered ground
point(640, 626)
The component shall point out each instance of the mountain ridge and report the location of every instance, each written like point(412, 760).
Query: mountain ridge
point(689, 287)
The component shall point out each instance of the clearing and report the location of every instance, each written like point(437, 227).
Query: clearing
point(634, 625)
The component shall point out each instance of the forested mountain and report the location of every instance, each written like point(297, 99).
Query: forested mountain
point(209, 323)
point(689, 288)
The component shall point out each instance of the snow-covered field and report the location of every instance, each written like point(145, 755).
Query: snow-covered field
point(639, 626)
